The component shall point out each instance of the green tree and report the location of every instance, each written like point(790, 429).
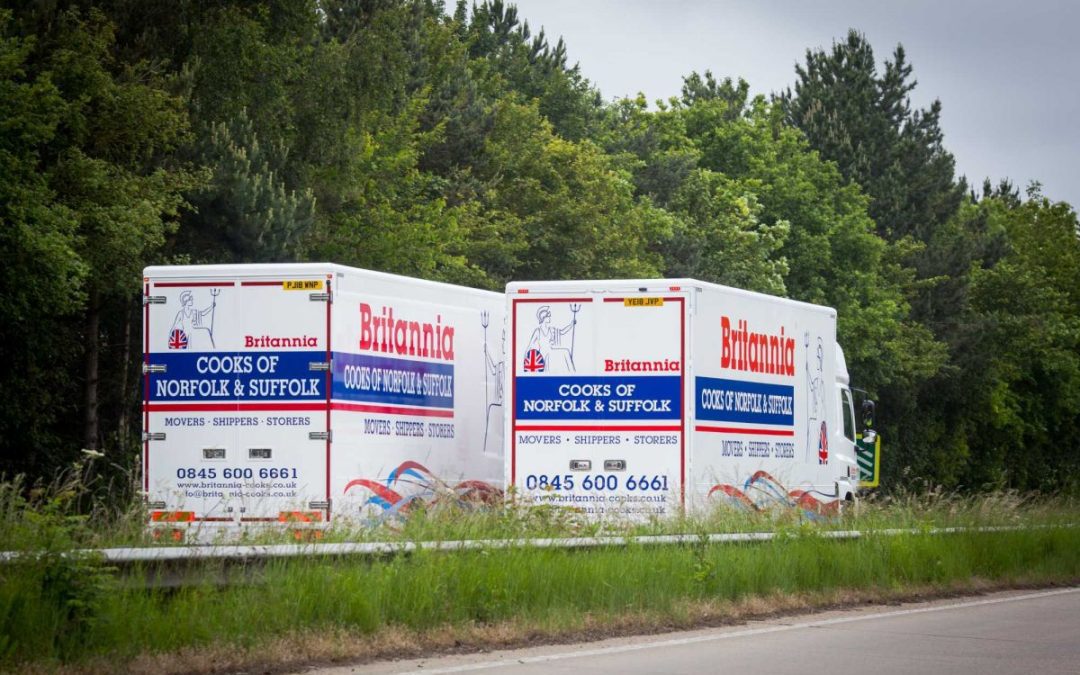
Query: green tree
point(507, 57)
point(863, 121)
point(573, 208)
point(42, 273)
point(99, 147)
point(1028, 350)
point(787, 223)
point(387, 214)
point(245, 213)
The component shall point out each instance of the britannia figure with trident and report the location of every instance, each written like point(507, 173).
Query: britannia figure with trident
point(548, 340)
point(189, 319)
point(817, 437)
point(493, 367)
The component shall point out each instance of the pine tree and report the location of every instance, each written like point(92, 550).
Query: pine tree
point(864, 122)
point(246, 214)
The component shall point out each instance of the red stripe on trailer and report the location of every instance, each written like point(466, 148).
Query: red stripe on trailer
point(597, 427)
point(146, 384)
point(234, 407)
point(192, 284)
point(329, 388)
point(553, 300)
point(513, 389)
point(745, 431)
point(392, 409)
point(682, 401)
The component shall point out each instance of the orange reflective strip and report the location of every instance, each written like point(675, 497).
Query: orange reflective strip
point(300, 516)
point(173, 516)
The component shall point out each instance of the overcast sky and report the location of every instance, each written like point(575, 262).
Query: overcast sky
point(1006, 73)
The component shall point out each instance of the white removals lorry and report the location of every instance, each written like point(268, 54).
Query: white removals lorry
point(640, 398)
point(303, 393)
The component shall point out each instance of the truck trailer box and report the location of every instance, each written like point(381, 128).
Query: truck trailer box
point(642, 398)
point(312, 392)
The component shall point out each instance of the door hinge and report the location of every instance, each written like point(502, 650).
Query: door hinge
point(153, 300)
point(153, 436)
point(319, 435)
point(320, 297)
point(320, 366)
point(155, 368)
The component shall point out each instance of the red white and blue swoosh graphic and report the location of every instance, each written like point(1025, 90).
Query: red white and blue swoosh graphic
point(761, 492)
point(411, 484)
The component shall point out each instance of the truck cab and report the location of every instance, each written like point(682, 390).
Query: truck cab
point(844, 438)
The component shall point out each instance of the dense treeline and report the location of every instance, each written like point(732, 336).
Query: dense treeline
point(457, 144)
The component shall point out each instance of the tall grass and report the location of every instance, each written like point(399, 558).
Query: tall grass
point(57, 607)
point(84, 506)
point(541, 587)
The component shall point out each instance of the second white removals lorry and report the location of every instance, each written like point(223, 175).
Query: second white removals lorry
point(309, 392)
point(650, 397)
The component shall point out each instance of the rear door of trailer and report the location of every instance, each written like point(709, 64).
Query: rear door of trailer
point(235, 408)
point(598, 390)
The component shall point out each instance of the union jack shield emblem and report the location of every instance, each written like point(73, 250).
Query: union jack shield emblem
point(178, 339)
point(823, 446)
point(534, 361)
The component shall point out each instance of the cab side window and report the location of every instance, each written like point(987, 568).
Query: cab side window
point(849, 415)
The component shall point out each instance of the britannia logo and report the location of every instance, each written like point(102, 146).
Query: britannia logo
point(551, 346)
point(191, 322)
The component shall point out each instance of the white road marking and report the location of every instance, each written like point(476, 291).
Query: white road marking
point(736, 634)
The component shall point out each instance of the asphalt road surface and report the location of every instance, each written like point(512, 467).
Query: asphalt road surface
point(1012, 632)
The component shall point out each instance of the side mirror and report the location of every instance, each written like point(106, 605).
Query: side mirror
point(868, 410)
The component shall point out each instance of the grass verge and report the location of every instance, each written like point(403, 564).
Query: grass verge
point(72, 613)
